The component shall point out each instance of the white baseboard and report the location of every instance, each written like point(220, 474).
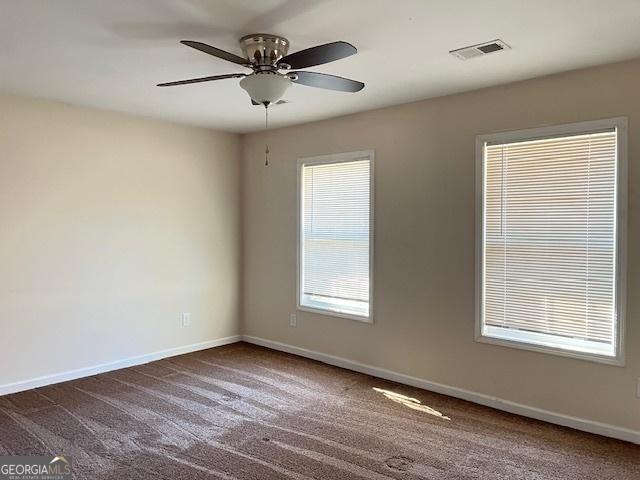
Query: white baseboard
point(482, 399)
point(107, 367)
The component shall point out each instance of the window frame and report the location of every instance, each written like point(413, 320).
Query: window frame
point(323, 160)
point(621, 205)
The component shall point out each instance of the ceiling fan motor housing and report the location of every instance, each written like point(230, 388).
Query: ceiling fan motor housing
point(264, 49)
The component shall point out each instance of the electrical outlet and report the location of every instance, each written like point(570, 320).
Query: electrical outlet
point(293, 320)
point(186, 319)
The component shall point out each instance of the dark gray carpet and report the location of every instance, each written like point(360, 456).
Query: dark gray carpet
point(245, 412)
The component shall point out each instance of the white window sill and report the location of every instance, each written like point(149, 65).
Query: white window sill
point(326, 308)
point(536, 342)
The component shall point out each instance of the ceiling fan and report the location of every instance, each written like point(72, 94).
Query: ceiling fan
point(266, 55)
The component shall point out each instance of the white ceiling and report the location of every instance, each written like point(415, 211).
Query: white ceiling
point(111, 53)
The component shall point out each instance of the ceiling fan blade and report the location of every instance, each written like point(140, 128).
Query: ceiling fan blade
point(330, 82)
point(202, 79)
point(216, 52)
point(319, 55)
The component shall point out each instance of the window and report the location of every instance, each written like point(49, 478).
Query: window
point(335, 234)
point(551, 233)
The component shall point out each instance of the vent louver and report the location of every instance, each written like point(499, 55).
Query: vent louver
point(465, 53)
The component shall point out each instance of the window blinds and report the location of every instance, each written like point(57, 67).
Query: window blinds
point(335, 221)
point(550, 241)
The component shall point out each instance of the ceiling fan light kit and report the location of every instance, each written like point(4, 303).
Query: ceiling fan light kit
point(265, 87)
point(266, 55)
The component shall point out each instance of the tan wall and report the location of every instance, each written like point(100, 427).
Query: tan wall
point(424, 233)
point(111, 226)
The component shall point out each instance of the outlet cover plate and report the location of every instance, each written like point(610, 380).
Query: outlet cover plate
point(186, 319)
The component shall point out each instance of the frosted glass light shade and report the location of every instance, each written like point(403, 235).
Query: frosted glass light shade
point(265, 87)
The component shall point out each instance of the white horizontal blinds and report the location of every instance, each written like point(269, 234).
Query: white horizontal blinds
point(549, 238)
point(335, 236)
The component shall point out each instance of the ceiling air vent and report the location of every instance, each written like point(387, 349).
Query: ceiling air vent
point(465, 53)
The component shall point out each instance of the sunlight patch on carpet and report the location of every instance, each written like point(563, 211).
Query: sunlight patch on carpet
point(410, 402)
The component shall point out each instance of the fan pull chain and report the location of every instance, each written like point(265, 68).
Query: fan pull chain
point(266, 126)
